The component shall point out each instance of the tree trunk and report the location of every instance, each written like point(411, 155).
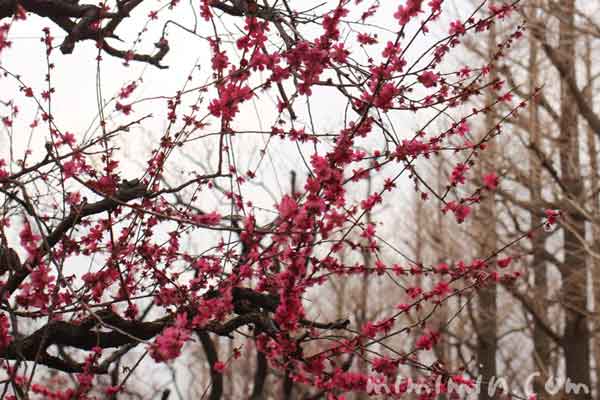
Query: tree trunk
point(487, 341)
point(594, 265)
point(576, 339)
point(541, 341)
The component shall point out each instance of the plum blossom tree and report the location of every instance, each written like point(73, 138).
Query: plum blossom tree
point(111, 264)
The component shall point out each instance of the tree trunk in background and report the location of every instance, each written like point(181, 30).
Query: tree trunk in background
point(442, 349)
point(594, 265)
point(439, 239)
point(576, 340)
point(487, 340)
point(420, 236)
point(363, 304)
point(541, 341)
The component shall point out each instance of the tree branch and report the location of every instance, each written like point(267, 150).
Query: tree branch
point(86, 334)
point(77, 19)
point(128, 191)
point(585, 109)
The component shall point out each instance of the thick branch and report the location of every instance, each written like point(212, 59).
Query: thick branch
point(83, 336)
point(117, 331)
point(128, 191)
point(77, 19)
